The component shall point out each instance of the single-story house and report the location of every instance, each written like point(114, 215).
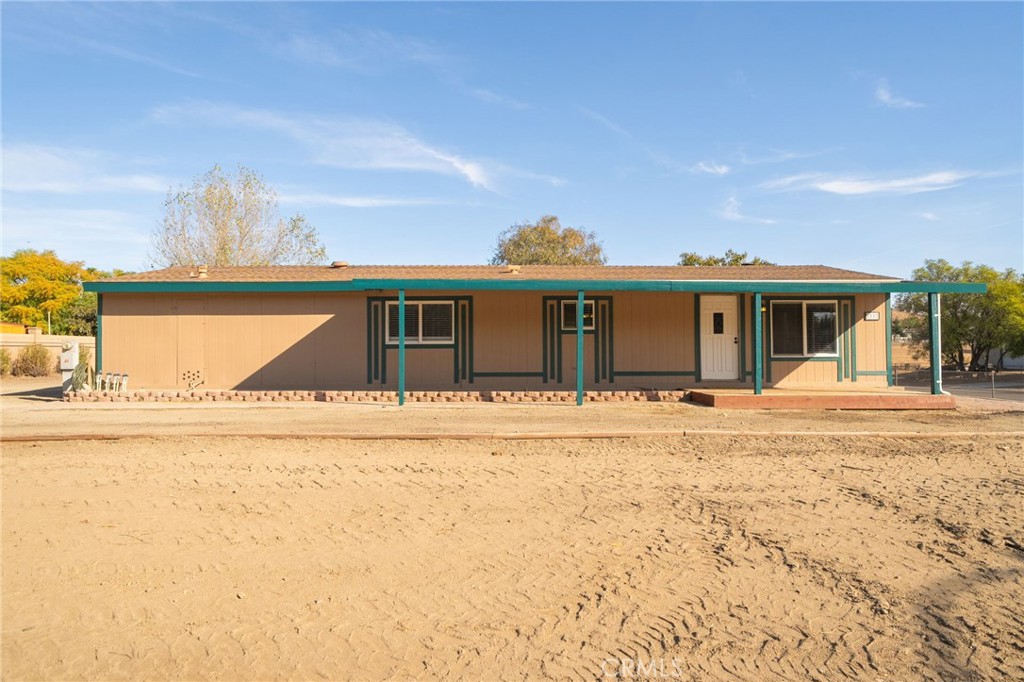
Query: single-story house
point(507, 328)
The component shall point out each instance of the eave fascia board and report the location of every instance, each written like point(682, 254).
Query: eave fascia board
point(720, 286)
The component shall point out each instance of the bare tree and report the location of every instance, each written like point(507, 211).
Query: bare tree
point(232, 219)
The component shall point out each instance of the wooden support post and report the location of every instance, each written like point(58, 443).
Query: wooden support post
point(758, 346)
point(401, 346)
point(935, 333)
point(579, 347)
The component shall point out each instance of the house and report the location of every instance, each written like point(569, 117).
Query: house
point(506, 328)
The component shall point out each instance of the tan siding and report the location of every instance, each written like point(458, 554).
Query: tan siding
point(140, 338)
point(266, 341)
point(340, 340)
point(654, 332)
point(870, 334)
point(803, 373)
point(233, 343)
point(191, 347)
point(508, 332)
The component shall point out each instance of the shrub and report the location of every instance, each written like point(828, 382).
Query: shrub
point(5, 362)
point(82, 376)
point(33, 361)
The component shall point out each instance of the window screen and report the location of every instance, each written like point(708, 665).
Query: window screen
point(412, 321)
point(425, 322)
point(569, 315)
point(821, 328)
point(787, 328)
point(437, 322)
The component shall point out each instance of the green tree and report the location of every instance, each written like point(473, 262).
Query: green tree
point(35, 283)
point(546, 242)
point(77, 318)
point(232, 219)
point(730, 258)
point(978, 323)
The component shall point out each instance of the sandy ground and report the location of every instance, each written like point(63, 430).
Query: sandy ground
point(699, 558)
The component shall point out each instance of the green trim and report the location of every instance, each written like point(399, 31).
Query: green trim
point(401, 346)
point(509, 374)
point(655, 373)
point(472, 360)
point(579, 345)
point(611, 340)
point(370, 363)
point(853, 340)
point(743, 337)
point(99, 334)
point(758, 345)
point(846, 340)
point(888, 340)
point(935, 337)
point(410, 345)
point(731, 287)
point(696, 337)
point(873, 373)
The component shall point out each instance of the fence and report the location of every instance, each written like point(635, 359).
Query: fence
point(52, 343)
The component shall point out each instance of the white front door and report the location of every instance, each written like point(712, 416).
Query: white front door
point(719, 341)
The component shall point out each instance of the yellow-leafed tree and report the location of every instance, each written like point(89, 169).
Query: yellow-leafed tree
point(34, 283)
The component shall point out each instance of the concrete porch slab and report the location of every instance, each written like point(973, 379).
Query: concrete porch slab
point(790, 399)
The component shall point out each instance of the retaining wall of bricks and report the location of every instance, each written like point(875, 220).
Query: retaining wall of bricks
point(151, 396)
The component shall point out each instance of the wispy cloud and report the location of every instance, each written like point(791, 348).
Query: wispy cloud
point(359, 48)
point(927, 215)
point(730, 210)
point(316, 199)
point(112, 28)
point(59, 170)
point(496, 98)
point(885, 96)
point(103, 238)
point(136, 57)
point(863, 185)
point(344, 142)
point(772, 155)
point(711, 168)
point(605, 121)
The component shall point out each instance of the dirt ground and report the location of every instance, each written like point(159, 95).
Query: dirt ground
point(198, 554)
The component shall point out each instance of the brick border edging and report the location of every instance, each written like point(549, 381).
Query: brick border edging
point(175, 396)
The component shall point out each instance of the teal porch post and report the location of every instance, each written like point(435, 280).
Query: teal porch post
point(579, 347)
point(99, 333)
point(758, 346)
point(401, 346)
point(888, 340)
point(935, 333)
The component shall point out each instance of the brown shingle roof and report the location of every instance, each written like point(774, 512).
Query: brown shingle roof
point(323, 273)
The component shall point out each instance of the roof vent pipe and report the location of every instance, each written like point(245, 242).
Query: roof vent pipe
point(203, 270)
point(511, 269)
point(339, 264)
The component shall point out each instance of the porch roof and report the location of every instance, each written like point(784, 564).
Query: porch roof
point(732, 279)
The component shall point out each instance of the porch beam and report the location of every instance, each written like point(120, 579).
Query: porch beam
point(579, 346)
point(758, 346)
point(935, 333)
point(401, 347)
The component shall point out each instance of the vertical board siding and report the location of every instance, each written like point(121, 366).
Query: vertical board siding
point(267, 341)
point(871, 353)
point(653, 332)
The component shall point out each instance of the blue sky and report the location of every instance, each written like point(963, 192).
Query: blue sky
point(867, 136)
